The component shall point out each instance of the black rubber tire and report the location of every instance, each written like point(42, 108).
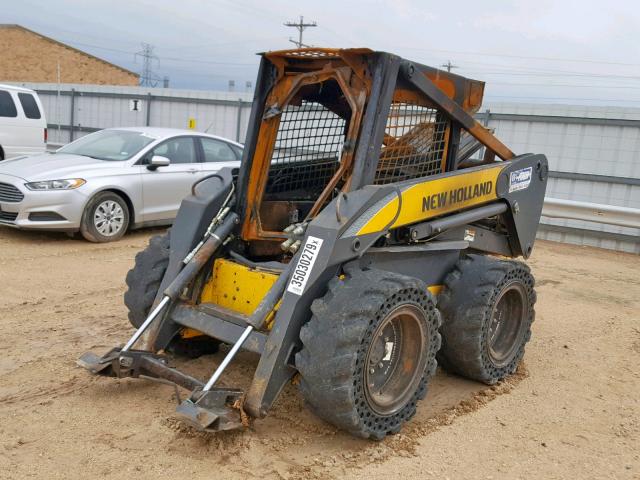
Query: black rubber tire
point(143, 281)
point(87, 227)
point(335, 342)
point(467, 301)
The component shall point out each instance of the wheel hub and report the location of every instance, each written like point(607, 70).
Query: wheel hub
point(395, 360)
point(505, 329)
point(108, 218)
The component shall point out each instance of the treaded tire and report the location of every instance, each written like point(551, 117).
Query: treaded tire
point(467, 304)
point(143, 281)
point(337, 338)
point(87, 227)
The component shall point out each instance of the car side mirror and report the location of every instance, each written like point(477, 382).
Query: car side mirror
point(158, 161)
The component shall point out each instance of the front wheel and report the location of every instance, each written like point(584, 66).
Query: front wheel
point(369, 351)
point(105, 218)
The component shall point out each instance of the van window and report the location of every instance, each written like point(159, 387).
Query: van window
point(29, 105)
point(7, 107)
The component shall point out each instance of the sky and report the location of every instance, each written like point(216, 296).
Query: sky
point(562, 51)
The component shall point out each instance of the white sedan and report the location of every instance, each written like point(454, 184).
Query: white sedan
point(109, 181)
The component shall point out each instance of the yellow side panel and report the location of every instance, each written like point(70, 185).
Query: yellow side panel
point(432, 198)
point(236, 287)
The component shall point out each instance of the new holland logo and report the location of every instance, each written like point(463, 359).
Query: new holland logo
point(456, 196)
point(520, 179)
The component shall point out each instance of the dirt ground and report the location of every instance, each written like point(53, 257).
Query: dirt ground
point(572, 411)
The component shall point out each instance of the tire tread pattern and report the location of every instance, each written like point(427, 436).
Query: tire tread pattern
point(335, 341)
point(466, 305)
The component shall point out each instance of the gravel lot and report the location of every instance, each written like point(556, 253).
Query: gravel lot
point(572, 411)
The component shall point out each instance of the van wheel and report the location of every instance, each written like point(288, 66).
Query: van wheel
point(105, 218)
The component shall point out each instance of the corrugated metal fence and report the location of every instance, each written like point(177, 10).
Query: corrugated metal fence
point(594, 156)
point(75, 110)
point(594, 152)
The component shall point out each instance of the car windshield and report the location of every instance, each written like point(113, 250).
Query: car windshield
point(111, 145)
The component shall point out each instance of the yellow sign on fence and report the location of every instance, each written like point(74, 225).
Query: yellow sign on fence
point(191, 124)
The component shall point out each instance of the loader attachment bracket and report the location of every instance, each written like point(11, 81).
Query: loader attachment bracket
point(136, 363)
point(214, 410)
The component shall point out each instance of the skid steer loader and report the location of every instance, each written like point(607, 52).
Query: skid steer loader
point(367, 237)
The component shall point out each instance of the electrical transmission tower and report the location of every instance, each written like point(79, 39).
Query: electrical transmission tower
point(300, 26)
point(148, 78)
point(449, 65)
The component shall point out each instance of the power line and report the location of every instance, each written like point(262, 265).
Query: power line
point(571, 85)
point(553, 59)
point(175, 59)
point(300, 26)
point(624, 100)
point(148, 78)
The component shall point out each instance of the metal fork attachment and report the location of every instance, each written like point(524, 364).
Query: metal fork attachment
point(128, 362)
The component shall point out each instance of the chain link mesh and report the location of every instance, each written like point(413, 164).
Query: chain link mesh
point(414, 144)
point(306, 151)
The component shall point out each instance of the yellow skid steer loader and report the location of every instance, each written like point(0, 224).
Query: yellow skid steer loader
point(367, 236)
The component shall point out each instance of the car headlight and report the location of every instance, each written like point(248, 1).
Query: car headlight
point(66, 184)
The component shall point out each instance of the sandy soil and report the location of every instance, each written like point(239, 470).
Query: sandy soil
point(572, 411)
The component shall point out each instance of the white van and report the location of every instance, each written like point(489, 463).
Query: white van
point(23, 127)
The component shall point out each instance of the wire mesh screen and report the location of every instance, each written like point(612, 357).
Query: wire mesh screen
point(414, 144)
point(306, 151)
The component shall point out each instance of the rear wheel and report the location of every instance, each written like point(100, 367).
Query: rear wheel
point(105, 218)
point(487, 307)
point(143, 282)
point(369, 352)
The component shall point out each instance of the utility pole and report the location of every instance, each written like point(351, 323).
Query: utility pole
point(300, 26)
point(449, 66)
point(148, 78)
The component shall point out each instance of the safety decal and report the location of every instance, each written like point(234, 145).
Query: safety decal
point(520, 179)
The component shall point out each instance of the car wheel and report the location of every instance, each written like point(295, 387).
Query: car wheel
point(105, 218)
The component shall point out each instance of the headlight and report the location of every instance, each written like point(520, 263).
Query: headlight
point(67, 184)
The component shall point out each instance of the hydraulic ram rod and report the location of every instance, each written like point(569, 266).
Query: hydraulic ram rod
point(187, 274)
point(201, 257)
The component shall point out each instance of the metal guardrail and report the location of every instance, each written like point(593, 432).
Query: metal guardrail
point(591, 212)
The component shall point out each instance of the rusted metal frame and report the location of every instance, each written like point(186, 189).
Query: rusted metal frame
point(266, 74)
point(356, 102)
point(456, 112)
point(267, 134)
point(281, 95)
